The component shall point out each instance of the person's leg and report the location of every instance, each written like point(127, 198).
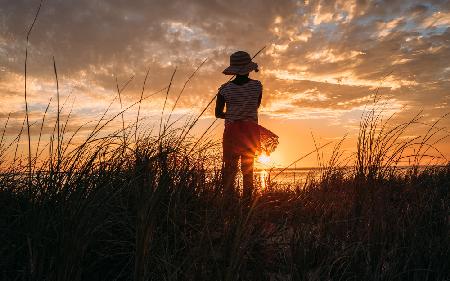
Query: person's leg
point(230, 162)
point(247, 175)
point(230, 167)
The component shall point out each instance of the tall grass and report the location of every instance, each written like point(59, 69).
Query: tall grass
point(25, 84)
point(135, 204)
point(155, 211)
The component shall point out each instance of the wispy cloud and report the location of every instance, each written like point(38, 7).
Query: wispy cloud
point(323, 58)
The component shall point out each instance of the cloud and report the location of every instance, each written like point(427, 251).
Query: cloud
point(437, 19)
point(321, 56)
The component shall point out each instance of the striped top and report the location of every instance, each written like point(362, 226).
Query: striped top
point(242, 101)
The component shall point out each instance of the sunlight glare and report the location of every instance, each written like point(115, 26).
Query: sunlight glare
point(264, 158)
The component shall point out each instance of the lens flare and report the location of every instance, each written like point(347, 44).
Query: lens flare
point(264, 158)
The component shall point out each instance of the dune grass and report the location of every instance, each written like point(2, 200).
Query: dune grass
point(132, 205)
point(135, 204)
point(139, 205)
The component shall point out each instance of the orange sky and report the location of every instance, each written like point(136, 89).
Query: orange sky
point(322, 62)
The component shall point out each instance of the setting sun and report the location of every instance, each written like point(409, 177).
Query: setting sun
point(264, 158)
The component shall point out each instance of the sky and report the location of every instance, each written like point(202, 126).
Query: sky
point(322, 62)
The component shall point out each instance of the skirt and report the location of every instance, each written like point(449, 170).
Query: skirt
point(248, 138)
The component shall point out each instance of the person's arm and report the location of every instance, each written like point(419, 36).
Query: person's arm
point(220, 105)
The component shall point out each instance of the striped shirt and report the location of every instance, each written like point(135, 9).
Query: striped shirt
point(242, 101)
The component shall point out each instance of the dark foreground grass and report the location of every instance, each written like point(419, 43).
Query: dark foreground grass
point(156, 212)
point(127, 207)
point(133, 205)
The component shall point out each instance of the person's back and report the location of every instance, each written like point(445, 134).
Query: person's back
point(242, 101)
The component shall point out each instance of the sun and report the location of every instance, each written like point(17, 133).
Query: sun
point(264, 158)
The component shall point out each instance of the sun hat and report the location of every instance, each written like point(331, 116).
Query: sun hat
point(240, 63)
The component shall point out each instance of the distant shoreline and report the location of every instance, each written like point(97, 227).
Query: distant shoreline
point(341, 168)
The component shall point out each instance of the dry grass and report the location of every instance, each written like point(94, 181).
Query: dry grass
point(153, 210)
point(143, 205)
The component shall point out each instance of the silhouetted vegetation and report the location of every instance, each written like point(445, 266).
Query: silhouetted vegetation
point(120, 207)
point(139, 205)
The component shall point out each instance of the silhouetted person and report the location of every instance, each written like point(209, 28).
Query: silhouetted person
point(242, 98)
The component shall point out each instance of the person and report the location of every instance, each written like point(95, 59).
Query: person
point(241, 138)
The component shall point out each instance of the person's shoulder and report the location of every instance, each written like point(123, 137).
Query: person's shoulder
point(257, 82)
point(224, 86)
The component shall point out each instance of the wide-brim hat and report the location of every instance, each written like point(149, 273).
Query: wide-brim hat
point(240, 64)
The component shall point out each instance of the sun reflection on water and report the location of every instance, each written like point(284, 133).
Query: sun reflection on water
point(263, 176)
